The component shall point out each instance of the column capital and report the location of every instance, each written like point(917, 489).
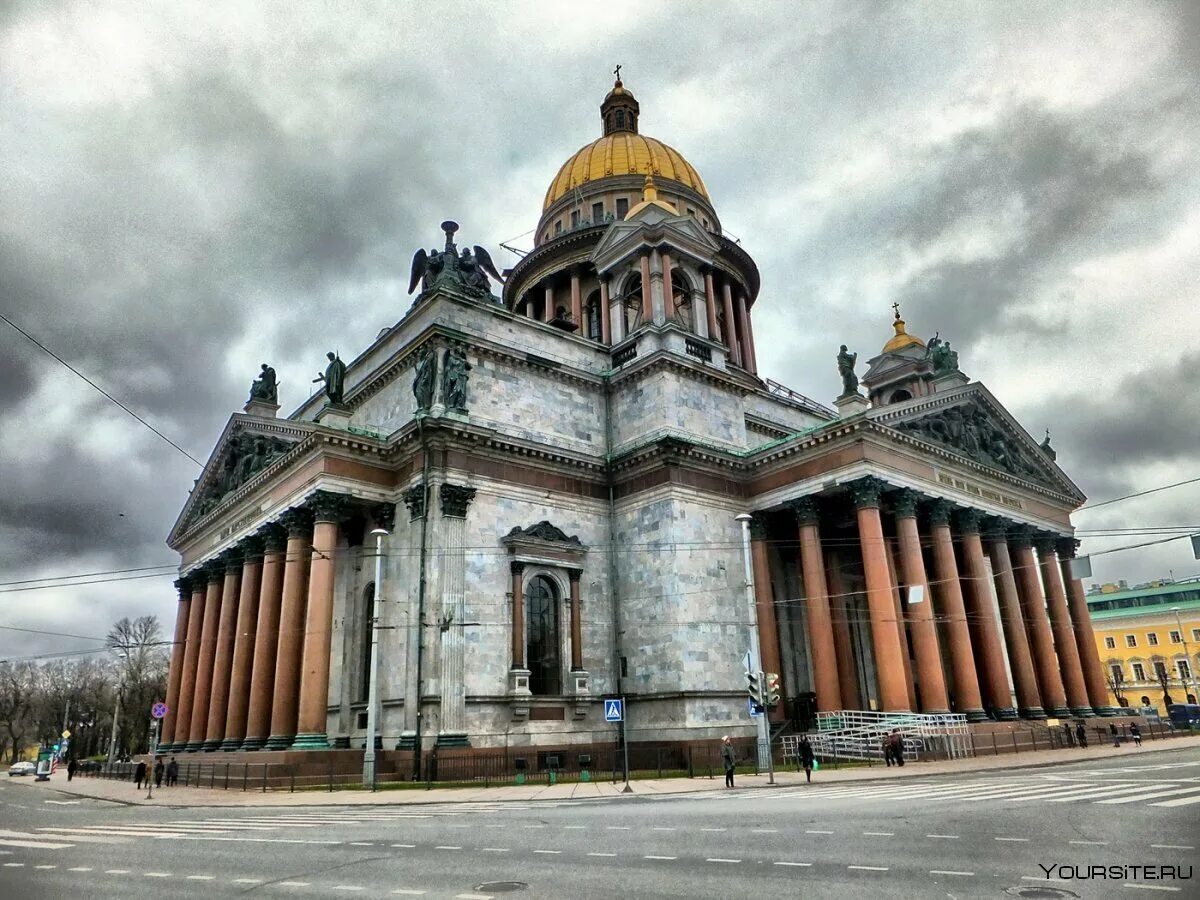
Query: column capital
point(758, 527)
point(573, 575)
point(212, 572)
point(231, 560)
point(940, 510)
point(806, 510)
point(967, 519)
point(298, 521)
point(1020, 536)
point(455, 500)
point(995, 528)
point(384, 515)
point(184, 586)
point(905, 502)
point(867, 491)
point(1045, 542)
point(1066, 547)
point(328, 506)
point(516, 567)
point(274, 537)
point(251, 547)
point(414, 498)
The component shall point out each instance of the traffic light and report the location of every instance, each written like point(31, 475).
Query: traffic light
point(771, 690)
point(754, 687)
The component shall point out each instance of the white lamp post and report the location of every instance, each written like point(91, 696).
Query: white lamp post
point(373, 688)
point(765, 762)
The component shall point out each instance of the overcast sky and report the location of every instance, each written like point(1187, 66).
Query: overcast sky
point(190, 189)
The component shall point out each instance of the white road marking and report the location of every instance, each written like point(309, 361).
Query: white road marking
point(1047, 880)
point(156, 874)
point(293, 883)
point(784, 863)
point(948, 872)
point(1153, 795)
point(869, 868)
point(1172, 846)
point(200, 877)
point(660, 857)
point(62, 802)
point(35, 845)
point(45, 867)
point(549, 852)
point(80, 869)
point(661, 828)
point(14, 865)
point(116, 871)
point(764, 831)
point(446, 847)
point(622, 828)
point(404, 846)
point(493, 850)
point(247, 881)
point(347, 887)
point(945, 837)
point(1090, 843)
point(712, 829)
point(472, 897)
point(602, 854)
point(879, 834)
point(574, 827)
point(1151, 887)
point(812, 831)
point(361, 844)
point(408, 893)
point(718, 859)
point(1015, 840)
point(535, 826)
point(1182, 801)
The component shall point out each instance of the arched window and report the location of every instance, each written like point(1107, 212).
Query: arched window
point(900, 396)
point(364, 643)
point(681, 295)
point(542, 638)
point(591, 316)
point(632, 303)
point(620, 118)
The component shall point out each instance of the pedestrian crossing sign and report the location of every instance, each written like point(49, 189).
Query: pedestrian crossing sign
point(614, 710)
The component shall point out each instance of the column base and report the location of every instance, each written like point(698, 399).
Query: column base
point(1109, 711)
point(166, 748)
point(191, 747)
point(975, 715)
point(1031, 712)
point(1059, 712)
point(1005, 714)
point(924, 712)
point(211, 746)
point(311, 740)
point(453, 740)
point(408, 741)
point(231, 744)
point(255, 743)
point(1083, 712)
point(279, 742)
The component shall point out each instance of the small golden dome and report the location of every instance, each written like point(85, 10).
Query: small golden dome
point(623, 153)
point(901, 338)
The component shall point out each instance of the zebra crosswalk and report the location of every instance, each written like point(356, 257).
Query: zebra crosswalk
point(1030, 789)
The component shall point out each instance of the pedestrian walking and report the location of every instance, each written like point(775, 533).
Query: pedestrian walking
point(159, 769)
point(172, 772)
point(1112, 730)
point(1081, 735)
point(886, 745)
point(139, 774)
point(896, 741)
point(1068, 736)
point(71, 767)
point(1136, 731)
point(729, 759)
point(806, 758)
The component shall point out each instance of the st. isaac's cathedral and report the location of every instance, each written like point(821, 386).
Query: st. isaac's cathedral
point(559, 454)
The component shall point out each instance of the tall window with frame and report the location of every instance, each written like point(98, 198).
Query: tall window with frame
point(681, 296)
point(542, 640)
point(591, 315)
point(364, 643)
point(632, 303)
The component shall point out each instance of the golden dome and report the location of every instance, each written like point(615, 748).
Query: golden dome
point(623, 153)
point(901, 338)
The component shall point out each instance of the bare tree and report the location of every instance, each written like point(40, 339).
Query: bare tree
point(1116, 681)
point(141, 657)
point(1163, 676)
point(18, 683)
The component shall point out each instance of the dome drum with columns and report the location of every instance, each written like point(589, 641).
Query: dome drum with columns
point(560, 473)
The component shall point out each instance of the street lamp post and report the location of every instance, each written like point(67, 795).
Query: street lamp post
point(373, 687)
point(1190, 681)
point(764, 739)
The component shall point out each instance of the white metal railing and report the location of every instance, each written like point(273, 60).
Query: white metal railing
point(858, 734)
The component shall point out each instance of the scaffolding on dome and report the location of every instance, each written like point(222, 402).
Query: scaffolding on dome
point(857, 734)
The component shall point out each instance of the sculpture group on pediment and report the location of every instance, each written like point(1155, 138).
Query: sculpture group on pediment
point(544, 531)
point(969, 429)
point(943, 358)
point(466, 272)
point(265, 387)
point(245, 456)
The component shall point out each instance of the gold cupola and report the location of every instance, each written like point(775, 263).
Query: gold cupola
point(901, 339)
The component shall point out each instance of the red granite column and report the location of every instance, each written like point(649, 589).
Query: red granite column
point(298, 522)
point(518, 615)
point(729, 333)
point(198, 581)
point(901, 625)
point(1029, 703)
point(931, 680)
point(994, 675)
point(218, 703)
point(175, 673)
point(710, 306)
point(328, 510)
point(647, 300)
point(764, 608)
point(1033, 607)
point(743, 314)
point(605, 313)
point(839, 610)
point(202, 693)
point(889, 668)
point(243, 644)
point(1064, 634)
point(967, 699)
point(576, 301)
point(668, 288)
point(1085, 638)
point(576, 621)
point(266, 638)
point(821, 643)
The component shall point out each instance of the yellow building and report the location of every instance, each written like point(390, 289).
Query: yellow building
point(1146, 631)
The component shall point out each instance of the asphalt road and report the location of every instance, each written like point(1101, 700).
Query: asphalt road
point(986, 835)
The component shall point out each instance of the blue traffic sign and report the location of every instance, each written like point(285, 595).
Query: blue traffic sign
point(755, 709)
point(614, 710)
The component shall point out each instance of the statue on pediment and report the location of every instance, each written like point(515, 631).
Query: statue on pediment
point(425, 377)
point(845, 364)
point(466, 272)
point(970, 430)
point(943, 358)
point(334, 378)
point(454, 379)
point(265, 388)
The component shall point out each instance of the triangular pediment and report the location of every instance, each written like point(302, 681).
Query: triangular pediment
point(246, 448)
point(971, 423)
point(652, 227)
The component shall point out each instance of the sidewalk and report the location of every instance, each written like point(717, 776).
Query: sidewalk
point(124, 791)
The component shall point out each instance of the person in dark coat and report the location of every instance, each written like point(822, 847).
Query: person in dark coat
point(1068, 736)
point(728, 759)
point(172, 773)
point(158, 773)
point(896, 742)
point(886, 744)
point(806, 758)
point(1135, 731)
point(1081, 735)
point(139, 774)
point(71, 768)
point(1112, 730)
